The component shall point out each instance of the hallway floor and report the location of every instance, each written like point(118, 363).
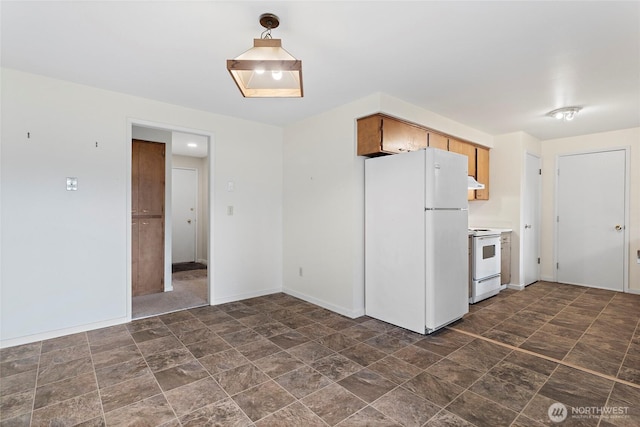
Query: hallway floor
point(190, 289)
point(277, 360)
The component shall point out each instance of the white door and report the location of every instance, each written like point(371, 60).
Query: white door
point(591, 219)
point(531, 221)
point(184, 192)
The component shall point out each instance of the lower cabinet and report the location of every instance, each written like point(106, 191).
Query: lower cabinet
point(147, 255)
point(505, 258)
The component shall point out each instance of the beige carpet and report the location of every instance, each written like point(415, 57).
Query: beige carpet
point(189, 290)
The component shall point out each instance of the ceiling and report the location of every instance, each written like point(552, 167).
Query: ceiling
point(498, 67)
point(187, 144)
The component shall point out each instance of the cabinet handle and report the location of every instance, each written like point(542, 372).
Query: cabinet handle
point(145, 223)
point(145, 210)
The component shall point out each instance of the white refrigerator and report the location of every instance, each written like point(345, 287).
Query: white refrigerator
point(416, 239)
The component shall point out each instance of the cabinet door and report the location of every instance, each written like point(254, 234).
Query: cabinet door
point(398, 136)
point(482, 172)
point(369, 135)
point(505, 258)
point(438, 141)
point(150, 256)
point(151, 173)
point(468, 150)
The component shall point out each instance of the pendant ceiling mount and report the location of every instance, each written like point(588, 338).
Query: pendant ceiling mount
point(267, 70)
point(269, 21)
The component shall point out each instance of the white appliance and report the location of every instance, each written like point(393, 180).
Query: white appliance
point(485, 265)
point(416, 239)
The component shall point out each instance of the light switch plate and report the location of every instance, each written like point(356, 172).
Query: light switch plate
point(72, 183)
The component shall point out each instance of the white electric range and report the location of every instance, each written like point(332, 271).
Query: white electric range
point(484, 265)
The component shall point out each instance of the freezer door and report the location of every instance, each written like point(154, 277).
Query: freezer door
point(446, 179)
point(447, 267)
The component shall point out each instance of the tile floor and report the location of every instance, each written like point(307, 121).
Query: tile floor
point(278, 361)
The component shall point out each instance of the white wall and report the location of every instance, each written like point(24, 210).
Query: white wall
point(64, 254)
point(506, 177)
point(551, 149)
point(324, 200)
point(201, 165)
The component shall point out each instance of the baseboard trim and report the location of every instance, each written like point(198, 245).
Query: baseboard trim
point(515, 287)
point(247, 295)
point(61, 332)
point(335, 308)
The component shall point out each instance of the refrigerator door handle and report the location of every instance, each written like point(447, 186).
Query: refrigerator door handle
point(446, 209)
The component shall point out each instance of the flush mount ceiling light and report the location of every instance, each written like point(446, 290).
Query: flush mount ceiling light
point(267, 70)
point(565, 113)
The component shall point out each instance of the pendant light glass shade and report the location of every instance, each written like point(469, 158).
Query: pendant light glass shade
point(267, 70)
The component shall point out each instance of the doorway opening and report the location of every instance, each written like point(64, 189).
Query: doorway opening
point(186, 248)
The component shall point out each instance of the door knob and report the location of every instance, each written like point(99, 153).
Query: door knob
point(188, 221)
point(527, 226)
point(618, 227)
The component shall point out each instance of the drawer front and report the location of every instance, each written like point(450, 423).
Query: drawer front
point(484, 286)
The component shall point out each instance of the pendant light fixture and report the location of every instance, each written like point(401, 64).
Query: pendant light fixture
point(267, 70)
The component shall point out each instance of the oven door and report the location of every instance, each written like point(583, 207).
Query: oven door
point(486, 256)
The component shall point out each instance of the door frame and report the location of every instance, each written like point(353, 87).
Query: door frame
point(168, 214)
point(538, 225)
point(197, 207)
point(627, 217)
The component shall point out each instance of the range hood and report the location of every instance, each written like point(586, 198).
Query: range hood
point(472, 184)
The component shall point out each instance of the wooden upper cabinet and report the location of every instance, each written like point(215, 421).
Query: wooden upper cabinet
point(380, 134)
point(135, 177)
point(468, 150)
point(482, 172)
point(437, 140)
point(399, 136)
point(148, 172)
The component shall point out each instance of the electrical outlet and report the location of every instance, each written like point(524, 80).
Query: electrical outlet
point(230, 210)
point(72, 183)
point(300, 272)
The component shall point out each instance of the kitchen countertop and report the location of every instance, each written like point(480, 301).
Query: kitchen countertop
point(498, 229)
point(488, 231)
